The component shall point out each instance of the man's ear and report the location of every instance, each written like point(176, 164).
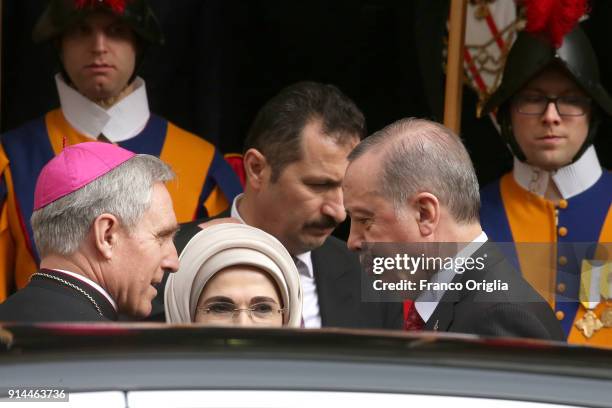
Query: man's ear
point(256, 167)
point(105, 230)
point(428, 210)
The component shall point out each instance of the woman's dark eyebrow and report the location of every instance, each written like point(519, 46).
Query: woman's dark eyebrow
point(260, 299)
point(214, 299)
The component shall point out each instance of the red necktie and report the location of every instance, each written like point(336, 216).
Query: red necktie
point(412, 319)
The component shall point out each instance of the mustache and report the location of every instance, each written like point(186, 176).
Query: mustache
point(323, 223)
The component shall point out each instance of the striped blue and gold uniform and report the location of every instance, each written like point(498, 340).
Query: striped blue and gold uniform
point(512, 214)
point(205, 184)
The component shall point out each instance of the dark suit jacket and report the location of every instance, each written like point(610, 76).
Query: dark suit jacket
point(519, 312)
point(337, 274)
point(47, 300)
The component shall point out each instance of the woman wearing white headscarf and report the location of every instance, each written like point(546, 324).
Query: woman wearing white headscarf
point(234, 274)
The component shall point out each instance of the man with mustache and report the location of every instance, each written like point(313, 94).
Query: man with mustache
point(548, 106)
point(295, 156)
point(100, 45)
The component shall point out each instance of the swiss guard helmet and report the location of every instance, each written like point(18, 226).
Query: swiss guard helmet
point(550, 40)
point(61, 15)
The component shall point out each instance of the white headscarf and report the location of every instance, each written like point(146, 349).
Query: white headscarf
point(219, 246)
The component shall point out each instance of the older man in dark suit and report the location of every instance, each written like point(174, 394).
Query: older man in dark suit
point(295, 157)
point(413, 182)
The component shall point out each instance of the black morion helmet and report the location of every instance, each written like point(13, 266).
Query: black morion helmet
point(63, 14)
point(531, 53)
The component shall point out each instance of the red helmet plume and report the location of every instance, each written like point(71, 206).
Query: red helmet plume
point(553, 18)
point(117, 6)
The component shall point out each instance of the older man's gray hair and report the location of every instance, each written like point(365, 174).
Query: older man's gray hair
point(423, 156)
point(126, 191)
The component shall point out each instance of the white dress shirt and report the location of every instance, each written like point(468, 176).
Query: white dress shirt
point(310, 308)
point(570, 180)
point(427, 301)
point(120, 122)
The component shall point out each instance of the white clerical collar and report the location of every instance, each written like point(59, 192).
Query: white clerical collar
point(570, 180)
point(122, 121)
point(92, 284)
point(427, 302)
point(304, 257)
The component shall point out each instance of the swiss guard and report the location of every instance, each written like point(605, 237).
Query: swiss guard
point(555, 205)
point(100, 45)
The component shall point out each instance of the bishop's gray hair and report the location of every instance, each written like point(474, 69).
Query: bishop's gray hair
point(423, 156)
point(126, 191)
